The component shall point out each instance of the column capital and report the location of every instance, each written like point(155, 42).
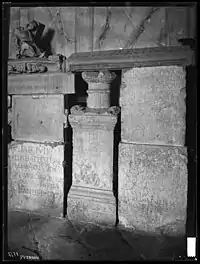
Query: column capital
point(104, 76)
point(80, 119)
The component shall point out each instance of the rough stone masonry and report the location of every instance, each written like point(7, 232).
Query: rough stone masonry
point(152, 156)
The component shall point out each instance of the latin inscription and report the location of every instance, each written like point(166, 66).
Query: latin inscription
point(36, 173)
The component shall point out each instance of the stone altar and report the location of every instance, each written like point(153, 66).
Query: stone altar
point(91, 197)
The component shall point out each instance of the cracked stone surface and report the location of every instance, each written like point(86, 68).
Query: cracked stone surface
point(58, 239)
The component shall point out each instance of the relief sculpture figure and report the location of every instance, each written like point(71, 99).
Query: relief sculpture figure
point(28, 40)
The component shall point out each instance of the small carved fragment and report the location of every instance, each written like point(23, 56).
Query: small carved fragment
point(113, 110)
point(77, 109)
point(26, 67)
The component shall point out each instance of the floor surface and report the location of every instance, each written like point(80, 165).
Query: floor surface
point(39, 237)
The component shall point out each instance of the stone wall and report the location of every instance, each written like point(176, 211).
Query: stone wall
point(82, 29)
point(152, 156)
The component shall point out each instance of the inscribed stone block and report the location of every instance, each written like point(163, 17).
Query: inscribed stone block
point(38, 118)
point(36, 177)
point(152, 186)
point(153, 105)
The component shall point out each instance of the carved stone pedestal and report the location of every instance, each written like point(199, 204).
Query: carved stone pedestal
point(91, 197)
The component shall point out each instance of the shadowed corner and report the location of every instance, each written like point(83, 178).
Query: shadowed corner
point(114, 99)
point(45, 43)
point(190, 143)
point(69, 101)
point(190, 138)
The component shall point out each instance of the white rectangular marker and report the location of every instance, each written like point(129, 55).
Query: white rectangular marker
point(191, 247)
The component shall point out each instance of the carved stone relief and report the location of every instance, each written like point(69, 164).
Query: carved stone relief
point(92, 152)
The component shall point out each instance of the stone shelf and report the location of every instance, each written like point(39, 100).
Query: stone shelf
point(129, 58)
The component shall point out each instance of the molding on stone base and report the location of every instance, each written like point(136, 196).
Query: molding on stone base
point(93, 121)
point(91, 205)
point(129, 58)
point(97, 195)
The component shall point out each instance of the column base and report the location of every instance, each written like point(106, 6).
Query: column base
point(91, 205)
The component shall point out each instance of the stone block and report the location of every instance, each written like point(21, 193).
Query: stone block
point(92, 168)
point(38, 118)
point(152, 104)
point(36, 177)
point(152, 187)
point(46, 83)
point(93, 158)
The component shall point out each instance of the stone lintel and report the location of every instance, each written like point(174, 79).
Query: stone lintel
point(92, 121)
point(129, 58)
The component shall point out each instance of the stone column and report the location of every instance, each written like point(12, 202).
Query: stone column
point(91, 198)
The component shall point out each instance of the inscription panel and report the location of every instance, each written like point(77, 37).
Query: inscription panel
point(36, 177)
point(38, 118)
point(152, 185)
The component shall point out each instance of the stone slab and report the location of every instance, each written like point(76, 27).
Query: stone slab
point(152, 104)
point(36, 177)
point(47, 83)
point(153, 187)
point(38, 118)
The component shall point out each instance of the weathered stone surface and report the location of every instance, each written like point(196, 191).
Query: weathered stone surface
point(153, 187)
point(92, 166)
point(47, 83)
point(36, 177)
point(93, 157)
point(98, 88)
point(153, 106)
point(91, 205)
point(88, 121)
point(38, 118)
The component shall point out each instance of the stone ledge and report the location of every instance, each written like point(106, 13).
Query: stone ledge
point(129, 58)
point(45, 83)
point(92, 121)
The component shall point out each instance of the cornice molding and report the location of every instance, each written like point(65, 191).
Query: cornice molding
point(129, 58)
